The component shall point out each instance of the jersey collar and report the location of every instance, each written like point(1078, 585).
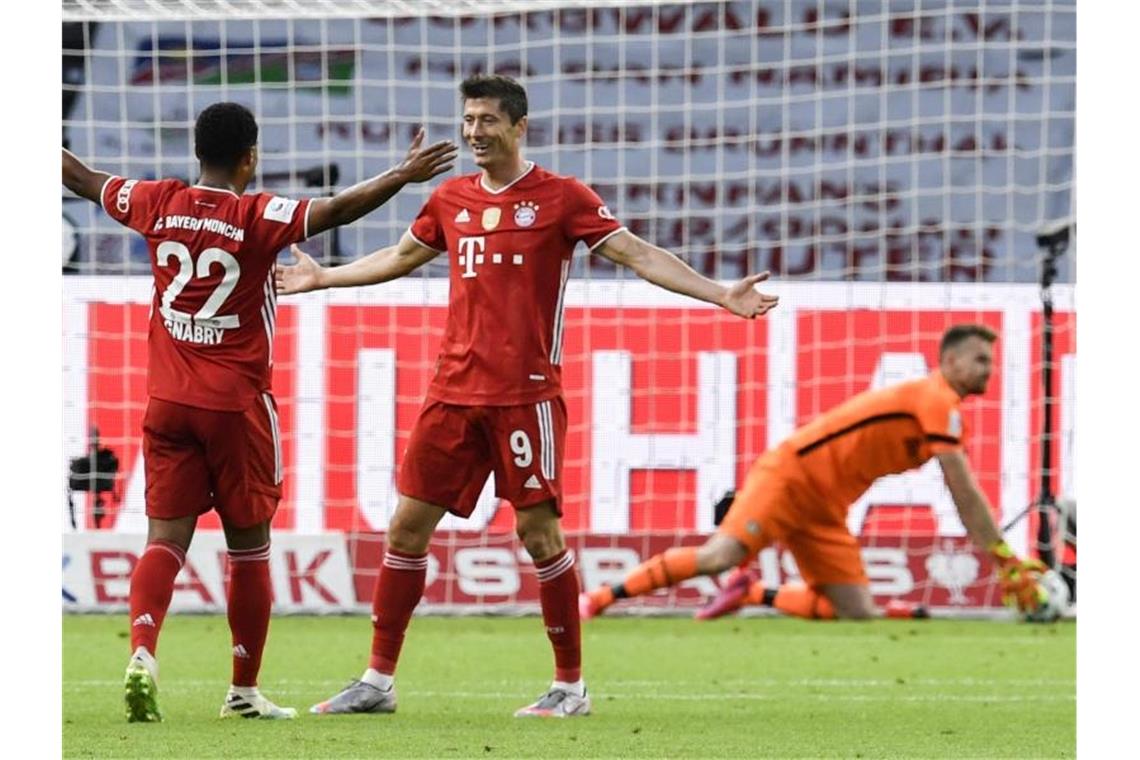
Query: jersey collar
point(940, 380)
point(216, 190)
point(515, 181)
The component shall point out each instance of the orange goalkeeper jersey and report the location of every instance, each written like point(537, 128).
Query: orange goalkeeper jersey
point(839, 454)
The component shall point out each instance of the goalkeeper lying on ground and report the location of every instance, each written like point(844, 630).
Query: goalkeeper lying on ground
point(799, 493)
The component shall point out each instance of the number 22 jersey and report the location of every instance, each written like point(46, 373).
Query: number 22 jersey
point(509, 254)
point(213, 311)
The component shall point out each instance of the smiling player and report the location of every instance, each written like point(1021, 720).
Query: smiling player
point(495, 402)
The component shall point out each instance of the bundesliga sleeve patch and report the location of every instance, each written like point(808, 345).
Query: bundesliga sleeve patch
point(280, 209)
point(954, 424)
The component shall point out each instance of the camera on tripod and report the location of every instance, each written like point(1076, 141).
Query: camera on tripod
point(94, 473)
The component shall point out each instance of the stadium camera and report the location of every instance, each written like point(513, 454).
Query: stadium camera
point(94, 473)
point(1054, 240)
point(1056, 236)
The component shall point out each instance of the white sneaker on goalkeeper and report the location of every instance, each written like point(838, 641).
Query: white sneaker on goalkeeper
point(140, 688)
point(249, 703)
point(557, 703)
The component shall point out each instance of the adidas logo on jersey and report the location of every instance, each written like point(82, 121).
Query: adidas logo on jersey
point(532, 482)
point(239, 651)
point(463, 216)
point(144, 619)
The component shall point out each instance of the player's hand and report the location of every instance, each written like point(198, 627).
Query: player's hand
point(744, 300)
point(421, 164)
point(301, 277)
point(1019, 579)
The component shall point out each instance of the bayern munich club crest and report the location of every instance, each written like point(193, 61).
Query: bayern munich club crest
point(525, 213)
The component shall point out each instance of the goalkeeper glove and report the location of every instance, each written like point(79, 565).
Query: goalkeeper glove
point(1019, 579)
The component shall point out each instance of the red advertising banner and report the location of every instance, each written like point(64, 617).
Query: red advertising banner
point(669, 403)
point(491, 571)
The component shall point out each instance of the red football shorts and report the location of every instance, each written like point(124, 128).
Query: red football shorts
point(454, 448)
point(774, 506)
point(197, 458)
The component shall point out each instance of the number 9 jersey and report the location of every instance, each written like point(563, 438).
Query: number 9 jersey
point(213, 313)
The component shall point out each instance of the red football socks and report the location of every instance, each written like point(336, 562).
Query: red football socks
point(248, 604)
point(558, 590)
point(152, 585)
point(398, 591)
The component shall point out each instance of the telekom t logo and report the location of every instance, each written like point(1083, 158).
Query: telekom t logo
point(471, 253)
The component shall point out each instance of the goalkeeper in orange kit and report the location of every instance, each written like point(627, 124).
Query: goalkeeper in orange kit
point(798, 494)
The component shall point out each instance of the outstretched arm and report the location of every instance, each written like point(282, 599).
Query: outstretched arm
point(420, 165)
point(1018, 576)
point(666, 270)
point(973, 507)
point(81, 179)
point(380, 266)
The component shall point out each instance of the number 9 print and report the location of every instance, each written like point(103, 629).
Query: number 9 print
point(520, 446)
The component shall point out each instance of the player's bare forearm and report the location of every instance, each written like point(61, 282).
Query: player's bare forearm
point(665, 270)
point(973, 507)
point(386, 264)
point(81, 179)
point(661, 267)
point(419, 165)
point(379, 266)
point(352, 203)
point(376, 267)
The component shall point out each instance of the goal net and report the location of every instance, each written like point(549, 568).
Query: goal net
point(890, 161)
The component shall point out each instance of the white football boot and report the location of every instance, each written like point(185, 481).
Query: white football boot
point(250, 703)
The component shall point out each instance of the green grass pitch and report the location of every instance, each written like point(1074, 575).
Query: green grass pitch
point(662, 687)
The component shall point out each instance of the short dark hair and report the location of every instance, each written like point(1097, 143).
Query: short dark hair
point(223, 135)
point(511, 94)
point(958, 334)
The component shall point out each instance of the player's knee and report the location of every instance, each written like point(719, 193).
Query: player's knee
point(541, 543)
point(856, 613)
point(178, 532)
point(251, 537)
point(407, 536)
point(858, 608)
point(539, 531)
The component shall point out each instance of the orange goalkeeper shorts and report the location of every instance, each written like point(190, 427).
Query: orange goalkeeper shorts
point(774, 506)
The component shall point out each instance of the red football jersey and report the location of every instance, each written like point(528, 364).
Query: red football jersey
point(213, 312)
point(510, 255)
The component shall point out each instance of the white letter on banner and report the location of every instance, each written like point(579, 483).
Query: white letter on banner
point(487, 571)
point(711, 451)
point(922, 486)
point(376, 448)
point(132, 515)
point(376, 435)
point(607, 564)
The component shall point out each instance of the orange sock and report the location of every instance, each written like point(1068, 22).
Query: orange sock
point(757, 593)
point(666, 569)
point(801, 601)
